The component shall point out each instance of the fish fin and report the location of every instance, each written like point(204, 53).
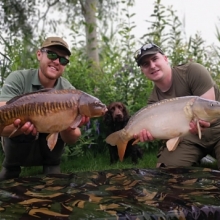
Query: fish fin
point(14, 131)
point(121, 149)
point(115, 139)
point(136, 141)
point(52, 140)
point(173, 143)
point(199, 129)
point(29, 93)
point(76, 122)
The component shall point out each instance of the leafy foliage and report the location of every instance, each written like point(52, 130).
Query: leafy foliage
point(117, 78)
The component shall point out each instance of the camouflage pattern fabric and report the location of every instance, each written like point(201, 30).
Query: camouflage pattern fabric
point(128, 194)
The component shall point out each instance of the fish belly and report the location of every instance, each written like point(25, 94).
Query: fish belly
point(168, 127)
point(54, 122)
point(163, 121)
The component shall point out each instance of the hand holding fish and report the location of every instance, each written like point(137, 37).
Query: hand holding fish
point(27, 128)
point(17, 129)
point(71, 135)
point(194, 128)
point(84, 121)
point(143, 136)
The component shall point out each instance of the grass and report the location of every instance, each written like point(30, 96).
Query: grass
point(100, 162)
point(89, 162)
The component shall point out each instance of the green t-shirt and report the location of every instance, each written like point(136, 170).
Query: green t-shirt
point(24, 81)
point(191, 79)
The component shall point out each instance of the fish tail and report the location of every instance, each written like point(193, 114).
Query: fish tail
point(115, 139)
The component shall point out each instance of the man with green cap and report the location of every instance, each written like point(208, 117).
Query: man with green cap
point(24, 148)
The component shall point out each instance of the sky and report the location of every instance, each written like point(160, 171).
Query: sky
point(200, 16)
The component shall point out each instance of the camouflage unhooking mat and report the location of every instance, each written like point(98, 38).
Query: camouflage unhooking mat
point(166, 193)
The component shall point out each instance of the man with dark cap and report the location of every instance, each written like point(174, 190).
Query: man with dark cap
point(24, 148)
point(190, 79)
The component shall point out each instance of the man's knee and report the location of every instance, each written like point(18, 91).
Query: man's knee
point(9, 173)
point(158, 165)
point(183, 156)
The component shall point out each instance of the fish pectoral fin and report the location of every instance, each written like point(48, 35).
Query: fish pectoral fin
point(76, 122)
point(136, 141)
point(14, 131)
point(173, 143)
point(52, 140)
point(199, 129)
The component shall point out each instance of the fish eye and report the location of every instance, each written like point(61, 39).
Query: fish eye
point(97, 102)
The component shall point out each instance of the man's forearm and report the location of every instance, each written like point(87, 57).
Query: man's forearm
point(70, 136)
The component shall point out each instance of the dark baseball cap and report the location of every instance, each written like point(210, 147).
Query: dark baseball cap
point(56, 41)
point(146, 49)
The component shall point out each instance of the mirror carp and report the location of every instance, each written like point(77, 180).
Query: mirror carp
point(166, 120)
point(51, 111)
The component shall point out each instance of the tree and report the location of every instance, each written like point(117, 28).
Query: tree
point(28, 19)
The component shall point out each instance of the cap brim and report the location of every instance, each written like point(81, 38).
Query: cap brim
point(58, 45)
point(146, 54)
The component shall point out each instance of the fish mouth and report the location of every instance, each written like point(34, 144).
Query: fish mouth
point(100, 112)
point(104, 110)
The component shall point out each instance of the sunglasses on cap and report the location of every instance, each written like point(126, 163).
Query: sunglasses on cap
point(144, 51)
point(53, 56)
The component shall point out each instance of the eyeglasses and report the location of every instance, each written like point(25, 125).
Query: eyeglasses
point(145, 47)
point(53, 56)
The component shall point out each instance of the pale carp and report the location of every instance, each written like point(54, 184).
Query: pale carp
point(51, 111)
point(166, 120)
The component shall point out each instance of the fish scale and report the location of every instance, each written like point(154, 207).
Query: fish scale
point(37, 106)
